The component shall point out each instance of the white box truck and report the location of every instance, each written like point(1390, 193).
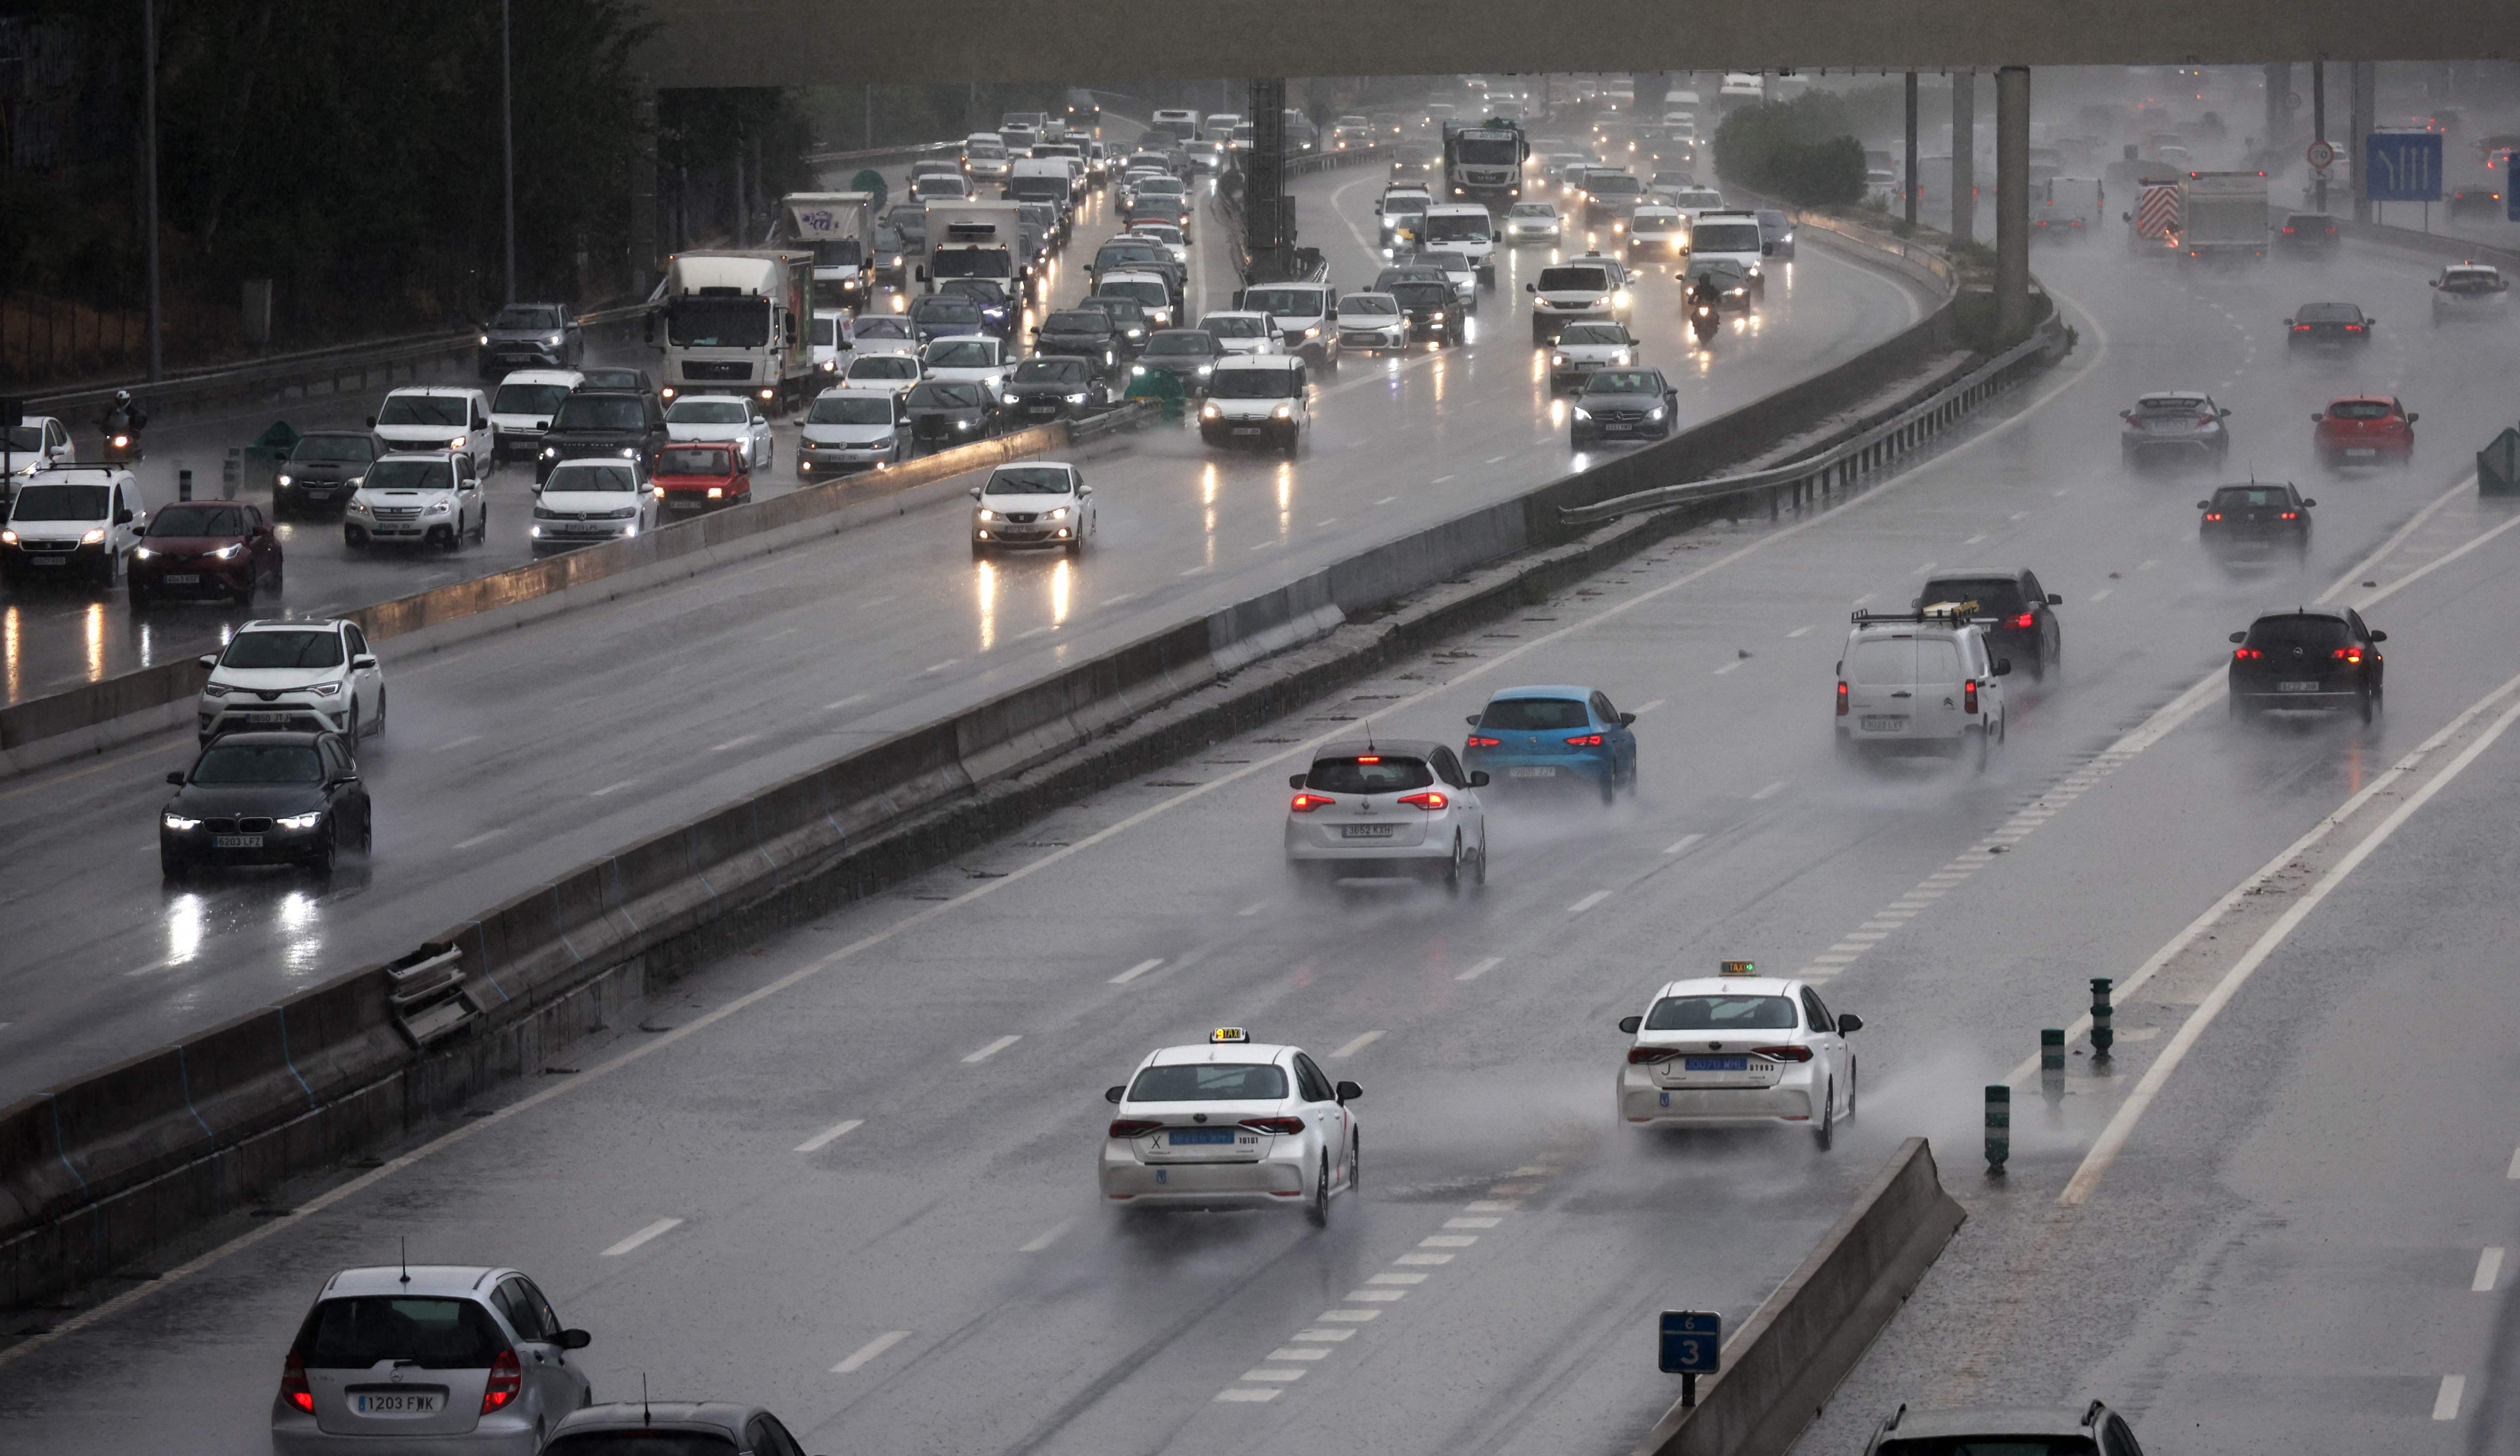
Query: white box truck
point(2223, 216)
point(737, 322)
point(975, 239)
point(839, 229)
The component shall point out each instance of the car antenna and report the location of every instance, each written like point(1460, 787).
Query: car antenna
point(406, 1259)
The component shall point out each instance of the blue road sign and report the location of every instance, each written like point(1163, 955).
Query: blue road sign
point(2402, 166)
point(1692, 1341)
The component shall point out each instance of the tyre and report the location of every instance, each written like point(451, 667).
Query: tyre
point(1826, 1134)
point(1609, 788)
point(378, 730)
point(1453, 867)
point(139, 598)
point(2371, 705)
point(367, 833)
point(1355, 1162)
point(354, 537)
point(319, 863)
point(1854, 1084)
point(354, 731)
point(481, 532)
point(1319, 1209)
point(1479, 872)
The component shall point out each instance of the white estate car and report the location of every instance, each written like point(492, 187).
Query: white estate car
point(1534, 222)
point(1920, 681)
point(1242, 333)
point(1583, 348)
point(1375, 809)
point(851, 429)
point(302, 677)
point(437, 416)
point(1039, 503)
point(1737, 1047)
point(583, 502)
point(1232, 1124)
point(970, 359)
point(415, 499)
point(697, 417)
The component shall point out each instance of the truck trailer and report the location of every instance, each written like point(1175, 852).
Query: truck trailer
point(839, 229)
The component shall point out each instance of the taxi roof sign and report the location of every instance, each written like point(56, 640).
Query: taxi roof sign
point(1227, 1036)
point(1740, 968)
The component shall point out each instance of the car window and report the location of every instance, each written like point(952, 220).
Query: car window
point(425, 409)
point(1624, 382)
point(2317, 634)
point(320, 647)
point(1574, 281)
point(2250, 497)
point(1816, 1012)
point(1210, 1082)
point(187, 519)
point(1533, 714)
point(599, 413)
point(595, 475)
point(1720, 1013)
point(2358, 409)
point(61, 502)
point(1028, 480)
point(1593, 333)
point(1315, 1087)
point(1989, 1445)
point(687, 460)
point(360, 1332)
point(1448, 768)
point(2327, 313)
point(510, 1299)
point(1369, 774)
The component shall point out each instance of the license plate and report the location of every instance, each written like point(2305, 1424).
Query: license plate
point(236, 841)
point(1884, 725)
point(48, 560)
point(1367, 831)
point(2297, 687)
point(397, 1403)
point(1247, 429)
point(1543, 772)
point(266, 717)
point(586, 528)
point(2362, 453)
point(182, 577)
point(1200, 1137)
point(1715, 1063)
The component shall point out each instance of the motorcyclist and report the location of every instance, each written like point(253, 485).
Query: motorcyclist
point(1704, 291)
point(123, 417)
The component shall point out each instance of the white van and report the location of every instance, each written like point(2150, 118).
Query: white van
point(1464, 227)
point(1728, 236)
point(1920, 683)
point(1257, 399)
point(522, 407)
point(436, 417)
point(73, 523)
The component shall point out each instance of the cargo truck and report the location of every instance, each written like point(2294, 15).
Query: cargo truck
point(737, 322)
point(975, 239)
point(839, 229)
point(2223, 216)
point(1483, 160)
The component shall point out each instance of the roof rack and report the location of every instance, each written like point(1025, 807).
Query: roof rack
point(1943, 612)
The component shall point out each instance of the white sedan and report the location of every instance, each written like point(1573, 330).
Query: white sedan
point(1232, 1124)
point(697, 417)
point(596, 498)
point(1388, 807)
point(969, 359)
point(1039, 503)
point(1739, 1048)
point(1240, 332)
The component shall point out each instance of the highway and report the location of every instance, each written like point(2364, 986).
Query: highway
point(846, 1174)
point(597, 729)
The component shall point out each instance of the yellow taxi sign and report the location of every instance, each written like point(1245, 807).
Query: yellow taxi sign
point(1740, 968)
point(1227, 1036)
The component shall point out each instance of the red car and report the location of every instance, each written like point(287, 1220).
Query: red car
point(212, 548)
point(694, 476)
point(2364, 429)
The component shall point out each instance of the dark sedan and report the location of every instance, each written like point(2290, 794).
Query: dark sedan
point(222, 549)
point(2315, 658)
point(1128, 319)
point(2254, 519)
point(945, 413)
point(2311, 234)
point(1086, 334)
point(322, 471)
point(275, 798)
point(1189, 355)
point(1622, 404)
point(997, 307)
point(2333, 329)
point(936, 315)
point(2017, 615)
point(1434, 310)
point(1051, 388)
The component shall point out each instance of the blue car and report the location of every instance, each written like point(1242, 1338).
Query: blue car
point(1560, 737)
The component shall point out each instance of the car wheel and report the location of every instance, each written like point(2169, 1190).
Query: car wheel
point(319, 863)
point(1826, 1134)
point(367, 832)
point(1853, 1082)
point(2371, 705)
point(482, 531)
point(1479, 872)
point(380, 730)
point(1453, 867)
point(1318, 1210)
point(352, 732)
point(252, 586)
point(139, 598)
point(1609, 787)
point(354, 537)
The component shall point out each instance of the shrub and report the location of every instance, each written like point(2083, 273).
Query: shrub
point(1799, 150)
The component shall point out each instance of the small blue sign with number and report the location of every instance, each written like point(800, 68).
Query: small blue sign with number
point(2402, 166)
point(1692, 1341)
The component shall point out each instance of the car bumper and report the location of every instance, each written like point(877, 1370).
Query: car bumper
point(837, 458)
point(1277, 1179)
point(295, 1434)
point(1513, 771)
point(508, 442)
point(1231, 431)
point(505, 356)
point(2148, 449)
point(1020, 537)
point(1643, 1104)
point(1927, 741)
point(231, 717)
point(416, 532)
point(1373, 344)
point(561, 536)
point(335, 493)
point(1366, 857)
point(2328, 699)
point(18, 562)
point(694, 503)
point(276, 846)
point(192, 578)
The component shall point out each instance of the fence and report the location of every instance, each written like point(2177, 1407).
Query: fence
point(59, 338)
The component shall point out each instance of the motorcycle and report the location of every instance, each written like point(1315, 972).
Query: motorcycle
point(1702, 318)
point(123, 448)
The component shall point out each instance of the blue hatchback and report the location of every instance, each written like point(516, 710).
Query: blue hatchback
point(1562, 737)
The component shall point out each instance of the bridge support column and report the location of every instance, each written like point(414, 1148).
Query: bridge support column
point(2365, 74)
point(1908, 180)
point(2278, 127)
point(642, 192)
point(2013, 200)
point(1964, 157)
point(1269, 232)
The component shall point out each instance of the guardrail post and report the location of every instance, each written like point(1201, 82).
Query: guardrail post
point(2104, 1035)
point(2051, 1064)
point(1999, 1128)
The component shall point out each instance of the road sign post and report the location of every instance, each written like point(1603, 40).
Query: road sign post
point(1692, 1344)
point(2498, 465)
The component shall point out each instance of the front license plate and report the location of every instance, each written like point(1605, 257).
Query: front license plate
point(2297, 687)
point(236, 841)
point(1200, 1137)
point(1367, 831)
point(397, 1403)
point(266, 717)
point(2362, 453)
point(1540, 772)
point(182, 577)
point(1715, 1063)
point(1884, 725)
point(1247, 429)
point(48, 560)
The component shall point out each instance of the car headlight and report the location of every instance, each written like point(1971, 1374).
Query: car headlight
point(1620, 358)
point(1580, 413)
point(1619, 299)
point(457, 443)
point(174, 821)
point(1437, 316)
point(358, 507)
point(142, 553)
point(300, 821)
point(1283, 412)
point(830, 366)
point(1058, 513)
point(485, 339)
point(1314, 331)
point(550, 452)
point(227, 554)
point(283, 480)
point(1556, 359)
point(630, 454)
point(1654, 414)
point(961, 425)
point(1136, 368)
point(215, 690)
point(984, 514)
point(436, 507)
point(94, 537)
point(1211, 412)
point(541, 514)
point(551, 339)
point(324, 689)
point(1077, 398)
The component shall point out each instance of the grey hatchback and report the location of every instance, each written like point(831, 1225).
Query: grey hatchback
point(672, 1427)
point(436, 1358)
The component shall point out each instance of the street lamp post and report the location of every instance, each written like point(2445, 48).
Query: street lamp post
point(507, 141)
point(149, 140)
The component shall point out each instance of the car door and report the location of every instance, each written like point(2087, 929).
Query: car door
point(537, 1349)
point(1449, 769)
point(347, 797)
point(468, 501)
point(368, 683)
point(1623, 739)
point(2374, 661)
point(767, 1438)
point(260, 544)
point(1327, 1116)
point(760, 437)
point(477, 441)
point(1829, 1047)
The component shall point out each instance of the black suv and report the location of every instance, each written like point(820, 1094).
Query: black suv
point(603, 422)
point(531, 336)
point(1086, 334)
point(1051, 387)
point(2253, 518)
point(322, 470)
point(2024, 626)
point(1434, 311)
point(2311, 658)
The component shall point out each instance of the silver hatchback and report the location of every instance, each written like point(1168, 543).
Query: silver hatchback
point(427, 1360)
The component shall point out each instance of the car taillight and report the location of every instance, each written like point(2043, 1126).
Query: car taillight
point(2287, 229)
point(1132, 1126)
point(1307, 803)
point(507, 1379)
point(1429, 801)
point(2299, 327)
point(1841, 701)
point(2347, 655)
point(1368, 757)
point(1782, 1053)
point(1969, 696)
point(2026, 619)
point(1639, 1056)
point(1476, 742)
point(1283, 1126)
point(292, 1383)
point(2213, 515)
point(2353, 327)
point(2289, 516)
point(1585, 741)
point(2205, 419)
point(2246, 654)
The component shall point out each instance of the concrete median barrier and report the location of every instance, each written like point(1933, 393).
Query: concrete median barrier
point(1781, 1366)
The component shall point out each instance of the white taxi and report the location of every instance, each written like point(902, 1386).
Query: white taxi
point(1739, 1048)
point(1231, 1123)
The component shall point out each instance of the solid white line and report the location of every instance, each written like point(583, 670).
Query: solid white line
point(1588, 902)
point(829, 1136)
point(1045, 1239)
point(1135, 971)
point(1770, 791)
point(992, 1049)
point(1472, 974)
point(661, 1225)
point(866, 1353)
point(1359, 1044)
point(2113, 1137)
point(2453, 1386)
point(1681, 843)
point(484, 838)
point(2489, 1268)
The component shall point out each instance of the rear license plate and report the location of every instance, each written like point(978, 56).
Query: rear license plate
point(236, 841)
point(2362, 452)
point(1884, 725)
point(1247, 429)
point(1539, 773)
point(1715, 1063)
point(2297, 687)
point(182, 577)
point(1367, 831)
point(398, 1403)
point(1200, 1137)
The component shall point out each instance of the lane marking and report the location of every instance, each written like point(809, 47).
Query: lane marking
point(1356, 1045)
point(1233, 1392)
point(2489, 1268)
point(1253, 908)
point(1924, 569)
point(484, 838)
point(1472, 1223)
point(660, 1226)
point(1135, 971)
point(1387, 1280)
point(1301, 1352)
point(1770, 791)
point(1349, 1317)
point(457, 743)
point(1649, 707)
point(1728, 667)
point(1325, 1337)
point(1387, 500)
point(1282, 1373)
point(1377, 1296)
point(2513, 1171)
point(992, 1049)
point(1472, 974)
point(868, 1351)
point(612, 788)
point(837, 704)
point(1799, 630)
point(737, 742)
point(1045, 1238)
point(939, 667)
point(1419, 1259)
point(2453, 1386)
point(1447, 1241)
point(1681, 843)
point(831, 1134)
point(1974, 540)
point(1588, 902)
point(1439, 480)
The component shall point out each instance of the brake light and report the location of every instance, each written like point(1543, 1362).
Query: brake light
point(2289, 516)
point(2299, 327)
point(2246, 654)
point(292, 1383)
point(2213, 515)
point(1841, 699)
point(1969, 696)
point(2353, 327)
point(2205, 418)
point(2347, 655)
point(1283, 1126)
point(1429, 801)
point(1307, 803)
point(1370, 757)
point(1132, 1126)
point(1782, 1053)
point(1476, 742)
point(2287, 228)
point(507, 1379)
point(2026, 619)
point(1585, 741)
point(1639, 1056)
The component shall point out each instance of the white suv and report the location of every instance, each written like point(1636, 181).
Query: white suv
point(301, 676)
point(437, 416)
point(1392, 807)
point(1920, 683)
point(419, 500)
point(1257, 399)
point(1581, 288)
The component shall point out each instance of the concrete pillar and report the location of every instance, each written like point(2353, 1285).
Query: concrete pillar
point(643, 249)
point(2319, 131)
point(2365, 76)
point(1964, 157)
point(2013, 200)
point(2278, 123)
point(1908, 184)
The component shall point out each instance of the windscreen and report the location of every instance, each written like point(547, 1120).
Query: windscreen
point(947, 394)
point(2358, 409)
point(1369, 305)
point(850, 409)
point(827, 332)
point(26, 439)
point(258, 763)
point(410, 475)
point(63, 503)
point(1656, 220)
point(1531, 715)
point(1169, 186)
point(1077, 321)
point(1117, 256)
point(838, 253)
point(2318, 634)
point(197, 520)
point(1486, 151)
point(1050, 372)
point(2457, 282)
point(1591, 334)
point(1149, 293)
point(599, 413)
point(335, 449)
point(968, 353)
point(1533, 209)
point(1574, 281)
point(1996, 595)
point(369, 1330)
point(1724, 238)
point(1369, 774)
point(613, 378)
point(527, 399)
point(1613, 184)
point(697, 409)
point(523, 316)
point(283, 649)
point(1417, 295)
point(1030, 481)
point(2250, 498)
point(939, 186)
point(707, 323)
point(2171, 404)
point(1624, 382)
point(690, 460)
point(590, 476)
point(1301, 303)
point(1722, 1013)
point(2327, 313)
point(1989, 1445)
point(1458, 227)
point(426, 409)
point(882, 326)
point(972, 262)
point(639, 1443)
point(1182, 341)
point(945, 308)
point(1210, 1082)
point(1224, 326)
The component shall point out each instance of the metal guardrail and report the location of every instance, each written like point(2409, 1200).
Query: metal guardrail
point(1816, 478)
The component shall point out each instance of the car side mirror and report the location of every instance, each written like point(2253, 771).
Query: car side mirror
point(538, 487)
point(362, 662)
point(2412, 417)
point(1479, 779)
point(1348, 1092)
point(975, 493)
point(2127, 415)
point(1472, 719)
point(208, 660)
point(2370, 322)
point(2222, 414)
point(176, 778)
point(1112, 1096)
point(2204, 504)
point(2003, 667)
point(2317, 415)
point(542, 424)
point(345, 778)
point(2379, 637)
point(2432, 283)
point(143, 530)
point(2239, 636)
point(2056, 600)
point(2287, 323)
point(372, 421)
point(1629, 1024)
point(2308, 502)
point(1085, 490)
point(1526, 288)
point(1294, 780)
point(574, 1339)
point(1848, 1022)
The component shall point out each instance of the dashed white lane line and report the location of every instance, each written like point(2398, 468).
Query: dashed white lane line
point(1439, 480)
point(1324, 1337)
point(838, 703)
point(2489, 1268)
point(1277, 1373)
point(1447, 1241)
point(1472, 974)
point(1387, 500)
point(1728, 667)
point(737, 742)
point(1649, 707)
point(1924, 569)
point(1681, 843)
point(1472, 1223)
point(457, 743)
point(1588, 902)
point(1253, 908)
point(1045, 1238)
point(875, 602)
point(1245, 1393)
point(484, 838)
point(829, 1136)
point(866, 1353)
point(1422, 1259)
point(2446, 1403)
point(939, 667)
point(1349, 1317)
point(1974, 540)
point(1262, 546)
point(1771, 791)
point(992, 1049)
point(1135, 971)
point(1328, 520)
point(1377, 1296)
point(1122, 597)
point(1799, 630)
point(1356, 1045)
point(660, 1226)
point(612, 788)
point(1492, 459)
point(782, 632)
point(1193, 571)
point(1302, 1351)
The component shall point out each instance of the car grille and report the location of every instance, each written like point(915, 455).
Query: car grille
point(397, 512)
point(1022, 517)
point(250, 825)
point(1618, 417)
point(47, 547)
point(582, 449)
point(717, 368)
